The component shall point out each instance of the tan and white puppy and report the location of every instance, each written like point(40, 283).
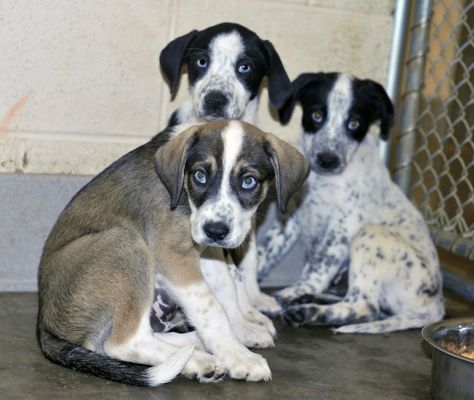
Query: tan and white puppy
point(152, 213)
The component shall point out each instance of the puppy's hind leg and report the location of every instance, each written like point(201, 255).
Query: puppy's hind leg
point(410, 282)
point(352, 309)
point(89, 320)
point(181, 339)
point(361, 302)
point(145, 348)
point(413, 318)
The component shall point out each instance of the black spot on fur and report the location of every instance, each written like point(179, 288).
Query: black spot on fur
point(379, 254)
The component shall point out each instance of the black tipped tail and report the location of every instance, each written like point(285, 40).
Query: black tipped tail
point(80, 359)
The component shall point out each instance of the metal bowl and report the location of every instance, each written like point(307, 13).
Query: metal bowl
point(452, 374)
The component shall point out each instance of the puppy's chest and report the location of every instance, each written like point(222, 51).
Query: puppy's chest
point(341, 204)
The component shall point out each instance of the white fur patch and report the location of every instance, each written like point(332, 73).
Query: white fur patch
point(232, 137)
point(339, 103)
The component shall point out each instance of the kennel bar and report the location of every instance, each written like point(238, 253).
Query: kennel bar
point(432, 150)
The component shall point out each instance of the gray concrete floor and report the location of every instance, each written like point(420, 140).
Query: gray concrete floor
point(306, 364)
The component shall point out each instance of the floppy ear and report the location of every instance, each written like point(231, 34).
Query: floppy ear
point(290, 167)
point(170, 161)
point(298, 86)
point(279, 85)
point(382, 107)
point(171, 58)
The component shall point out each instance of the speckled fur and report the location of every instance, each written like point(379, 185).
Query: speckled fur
point(359, 220)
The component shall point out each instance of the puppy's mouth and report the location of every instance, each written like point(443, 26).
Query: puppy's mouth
point(213, 116)
point(220, 244)
point(326, 172)
point(223, 244)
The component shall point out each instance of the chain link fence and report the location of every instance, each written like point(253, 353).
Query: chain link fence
point(434, 148)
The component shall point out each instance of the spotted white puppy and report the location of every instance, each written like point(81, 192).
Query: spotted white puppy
point(226, 64)
point(353, 217)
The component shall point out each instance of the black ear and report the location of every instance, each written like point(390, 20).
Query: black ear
point(382, 106)
point(299, 85)
point(170, 161)
point(290, 167)
point(172, 56)
point(279, 85)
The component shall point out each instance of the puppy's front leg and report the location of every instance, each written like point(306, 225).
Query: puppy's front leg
point(248, 265)
point(321, 268)
point(277, 241)
point(216, 271)
point(187, 284)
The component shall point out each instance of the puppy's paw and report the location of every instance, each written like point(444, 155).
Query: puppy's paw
point(287, 296)
point(267, 304)
point(204, 367)
point(246, 365)
point(322, 299)
point(259, 318)
point(302, 315)
point(252, 334)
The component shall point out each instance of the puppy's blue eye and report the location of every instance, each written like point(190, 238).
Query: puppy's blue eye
point(317, 116)
point(202, 62)
point(249, 183)
point(244, 68)
point(200, 177)
point(353, 124)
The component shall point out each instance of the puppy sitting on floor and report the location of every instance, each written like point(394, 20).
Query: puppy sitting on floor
point(352, 216)
point(148, 214)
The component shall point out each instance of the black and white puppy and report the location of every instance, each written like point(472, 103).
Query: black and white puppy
point(353, 217)
point(226, 64)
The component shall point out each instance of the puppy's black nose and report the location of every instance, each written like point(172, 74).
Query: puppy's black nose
point(215, 102)
point(328, 160)
point(216, 230)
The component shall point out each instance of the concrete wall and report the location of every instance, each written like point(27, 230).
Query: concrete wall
point(29, 205)
point(80, 86)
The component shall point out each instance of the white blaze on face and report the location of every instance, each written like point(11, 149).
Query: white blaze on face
point(339, 103)
point(232, 138)
point(224, 52)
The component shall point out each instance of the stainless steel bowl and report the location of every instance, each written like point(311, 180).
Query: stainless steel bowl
point(452, 374)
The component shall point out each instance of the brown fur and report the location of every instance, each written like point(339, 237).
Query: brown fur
point(98, 268)
point(97, 272)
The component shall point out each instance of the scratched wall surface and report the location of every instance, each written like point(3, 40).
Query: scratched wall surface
point(80, 83)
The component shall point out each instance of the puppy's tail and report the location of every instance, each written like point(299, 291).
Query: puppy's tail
point(415, 318)
point(80, 359)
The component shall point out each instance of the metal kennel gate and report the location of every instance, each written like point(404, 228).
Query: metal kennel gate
point(432, 153)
